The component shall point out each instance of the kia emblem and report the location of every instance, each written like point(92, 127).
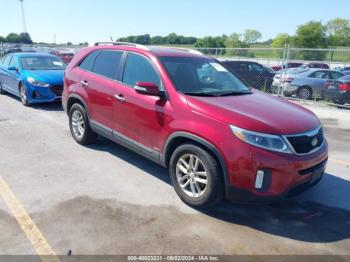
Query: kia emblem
point(314, 142)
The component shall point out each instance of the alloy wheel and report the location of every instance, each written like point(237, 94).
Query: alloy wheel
point(78, 124)
point(23, 94)
point(304, 93)
point(191, 175)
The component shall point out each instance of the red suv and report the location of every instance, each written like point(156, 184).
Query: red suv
point(185, 111)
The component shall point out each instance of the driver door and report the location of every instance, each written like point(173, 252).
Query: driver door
point(138, 117)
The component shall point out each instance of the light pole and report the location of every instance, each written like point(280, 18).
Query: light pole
point(23, 18)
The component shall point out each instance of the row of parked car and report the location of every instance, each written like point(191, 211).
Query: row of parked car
point(218, 137)
point(305, 81)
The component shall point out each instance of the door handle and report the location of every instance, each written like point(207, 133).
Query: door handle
point(121, 98)
point(84, 83)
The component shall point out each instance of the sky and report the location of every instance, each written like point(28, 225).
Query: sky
point(97, 20)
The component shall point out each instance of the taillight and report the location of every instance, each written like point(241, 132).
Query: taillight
point(344, 87)
point(288, 79)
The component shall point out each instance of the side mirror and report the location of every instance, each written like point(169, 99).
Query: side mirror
point(147, 88)
point(12, 68)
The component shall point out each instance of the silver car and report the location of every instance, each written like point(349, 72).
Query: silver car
point(309, 84)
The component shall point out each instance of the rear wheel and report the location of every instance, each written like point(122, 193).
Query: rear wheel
point(304, 93)
point(196, 176)
point(23, 95)
point(79, 125)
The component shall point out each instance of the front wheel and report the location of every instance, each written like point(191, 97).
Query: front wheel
point(79, 125)
point(196, 176)
point(23, 95)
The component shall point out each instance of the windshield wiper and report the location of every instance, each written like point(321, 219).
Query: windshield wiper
point(231, 93)
point(200, 94)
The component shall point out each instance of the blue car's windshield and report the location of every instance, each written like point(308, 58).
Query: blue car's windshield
point(42, 63)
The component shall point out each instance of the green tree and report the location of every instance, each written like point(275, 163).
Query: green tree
point(157, 40)
point(311, 35)
point(234, 41)
point(281, 40)
point(25, 38)
point(210, 42)
point(172, 39)
point(338, 33)
point(251, 36)
point(13, 38)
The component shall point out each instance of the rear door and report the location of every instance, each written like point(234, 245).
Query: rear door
point(100, 83)
point(318, 80)
point(14, 76)
point(238, 68)
point(4, 78)
point(259, 76)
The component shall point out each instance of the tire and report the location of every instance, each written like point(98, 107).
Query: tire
point(304, 93)
point(23, 95)
point(2, 91)
point(184, 177)
point(79, 125)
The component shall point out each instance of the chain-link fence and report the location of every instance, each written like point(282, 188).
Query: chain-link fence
point(322, 75)
point(6, 48)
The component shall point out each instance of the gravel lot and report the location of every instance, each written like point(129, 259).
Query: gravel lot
point(104, 199)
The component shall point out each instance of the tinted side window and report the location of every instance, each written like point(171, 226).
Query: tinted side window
point(89, 61)
point(139, 69)
point(232, 65)
point(107, 64)
point(336, 75)
point(256, 68)
point(320, 74)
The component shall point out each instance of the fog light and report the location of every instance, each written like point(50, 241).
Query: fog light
point(259, 179)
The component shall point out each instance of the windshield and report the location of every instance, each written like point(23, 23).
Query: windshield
point(202, 77)
point(42, 63)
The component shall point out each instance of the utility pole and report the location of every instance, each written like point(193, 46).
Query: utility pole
point(23, 18)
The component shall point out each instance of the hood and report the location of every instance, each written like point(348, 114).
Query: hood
point(47, 76)
point(258, 112)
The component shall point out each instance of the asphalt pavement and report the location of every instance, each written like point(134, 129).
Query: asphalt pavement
point(57, 196)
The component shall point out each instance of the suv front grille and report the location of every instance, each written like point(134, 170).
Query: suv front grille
point(57, 90)
point(306, 142)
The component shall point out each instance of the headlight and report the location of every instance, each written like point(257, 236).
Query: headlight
point(266, 141)
point(34, 82)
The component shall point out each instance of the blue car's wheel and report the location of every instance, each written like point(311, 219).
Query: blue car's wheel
point(23, 95)
point(2, 91)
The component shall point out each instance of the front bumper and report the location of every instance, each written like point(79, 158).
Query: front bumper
point(290, 89)
point(245, 196)
point(285, 174)
point(38, 94)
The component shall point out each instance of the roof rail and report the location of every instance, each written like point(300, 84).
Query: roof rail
point(192, 51)
point(123, 43)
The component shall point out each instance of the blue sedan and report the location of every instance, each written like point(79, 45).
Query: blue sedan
point(34, 77)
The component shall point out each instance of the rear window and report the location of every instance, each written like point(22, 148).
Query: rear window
point(107, 64)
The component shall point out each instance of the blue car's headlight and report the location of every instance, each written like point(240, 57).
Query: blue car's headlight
point(35, 82)
point(266, 141)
